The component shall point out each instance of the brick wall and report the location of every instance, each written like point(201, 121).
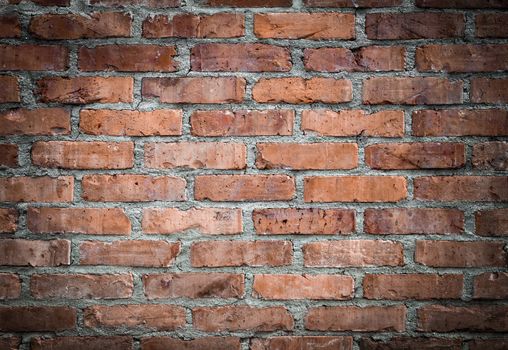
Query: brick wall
point(253, 174)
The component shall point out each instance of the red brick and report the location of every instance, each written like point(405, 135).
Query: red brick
point(10, 286)
point(491, 285)
point(460, 254)
point(129, 253)
point(492, 344)
point(10, 343)
point(10, 89)
point(300, 90)
point(10, 27)
point(196, 155)
point(462, 58)
point(22, 252)
point(36, 189)
point(247, 3)
point(353, 123)
point(41, 121)
point(158, 317)
point(461, 188)
point(8, 220)
point(460, 122)
point(132, 188)
point(416, 25)
point(414, 221)
point(290, 287)
point(409, 343)
point(205, 220)
point(80, 90)
point(147, 3)
point(193, 285)
point(411, 90)
point(283, 221)
point(492, 222)
point(354, 189)
point(209, 343)
point(76, 26)
point(241, 253)
point(486, 90)
point(490, 156)
point(162, 122)
point(412, 286)
point(321, 156)
point(9, 155)
point(187, 25)
point(82, 343)
point(353, 253)
point(364, 59)
point(491, 25)
point(83, 155)
point(37, 318)
point(354, 318)
point(242, 123)
point(352, 3)
point(238, 318)
point(312, 26)
point(470, 4)
point(303, 342)
point(224, 188)
point(81, 286)
point(440, 318)
point(424, 155)
point(195, 89)
point(95, 221)
point(33, 57)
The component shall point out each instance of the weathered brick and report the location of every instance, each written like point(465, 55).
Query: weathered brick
point(41, 121)
point(492, 344)
point(82, 343)
point(491, 25)
point(466, 4)
point(10, 27)
point(23, 252)
point(246, 3)
point(36, 189)
point(492, 222)
point(10, 286)
point(352, 3)
point(37, 318)
point(209, 343)
point(490, 156)
point(461, 188)
point(9, 155)
point(410, 343)
point(303, 342)
point(10, 342)
point(486, 90)
point(491, 285)
point(8, 220)
point(33, 57)
point(10, 89)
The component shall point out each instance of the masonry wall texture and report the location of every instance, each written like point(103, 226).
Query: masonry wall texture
point(253, 174)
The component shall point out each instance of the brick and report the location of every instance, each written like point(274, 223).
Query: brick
point(83, 155)
point(462, 58)
point(353, 253)
point(36, 189)
point(247, 3)
point(491, 285)
point(412, 286)
point(469, 4)
point(440, 318)
point(8, 220)
point(10, 286)
point(187, 25)
point(210, 343)
point(10, 26)
point(414, 221)
point(132, 188)
point(242, 123)
point(22, 252)
point(460, 122)
point(353, 123)
point(80, 90)
point(195, 89)
point(303, 342)
point(238, 318)
point(10, 90)
point(208, 221)
point(224, 188)
point(9, 155)
point(193, 285)
point(411, 90)
point(128, 58)
point(82, 343)
point(485, 90)
point(81, 286)
point(416, 25)
point(415, 155)
point(162, 122)
point(493, 344)
point(492, 222)
point(10, 343)
point(241, 253)
point(352, 3)
point(294, 287)
point(491, 25)
point(461, 188)
point(94, 221)
point(75, 26)
point(33, 57)
point(240, 58)
point(157, 317)
point(196, 155)
point(410, 343)
point(490, 156)
point(354, 318)
point(300, 90)
point(460, 254)
point(354, 189)
point(147, 3)
point(41, 121)
point(303, 221)
point(311, 26)
point(363, 59)
point(37, 318)
point(129, 253)
point(298, 156)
